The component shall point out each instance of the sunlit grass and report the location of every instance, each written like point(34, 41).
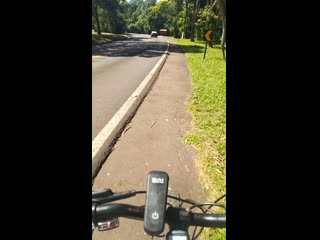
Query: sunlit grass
point(208, 127)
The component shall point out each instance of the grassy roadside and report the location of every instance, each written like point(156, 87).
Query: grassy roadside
point(107, 37)
point(208, 127)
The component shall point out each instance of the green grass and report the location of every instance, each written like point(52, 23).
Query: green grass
point(208, 127)
point(107, 37)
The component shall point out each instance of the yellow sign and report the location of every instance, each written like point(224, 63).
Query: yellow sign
point(208, 35)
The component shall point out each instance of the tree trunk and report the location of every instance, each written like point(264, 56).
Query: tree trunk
point(223, 38)
point(222, 12)
point(195, 13)
point(210, 12)
point(95, 7)
point(185, 20)
point(208, 17)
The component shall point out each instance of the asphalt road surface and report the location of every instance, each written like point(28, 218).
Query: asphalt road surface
point(117, 70)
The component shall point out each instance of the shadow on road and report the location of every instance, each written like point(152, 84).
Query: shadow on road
point(131, 48)
point(138, 46)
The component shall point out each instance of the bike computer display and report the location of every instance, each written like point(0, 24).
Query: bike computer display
point(156, 202)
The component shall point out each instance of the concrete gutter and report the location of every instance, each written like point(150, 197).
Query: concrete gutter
point(104, 141)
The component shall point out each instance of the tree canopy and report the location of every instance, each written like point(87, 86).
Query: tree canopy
point(181, 18)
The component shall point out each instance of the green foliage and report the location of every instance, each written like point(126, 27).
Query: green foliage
point(217, 27)
point(150, 3)
point(110, 16)
point(143, 16)
point(179, 24)
point(160, 16)
point(201, 23)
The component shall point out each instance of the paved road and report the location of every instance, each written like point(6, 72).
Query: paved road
point(117, 70)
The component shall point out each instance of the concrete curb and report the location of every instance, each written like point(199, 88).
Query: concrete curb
point(104, 141)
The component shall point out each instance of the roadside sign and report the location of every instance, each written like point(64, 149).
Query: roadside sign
point(208, 35)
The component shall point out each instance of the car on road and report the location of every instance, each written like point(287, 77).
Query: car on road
point(154, 34)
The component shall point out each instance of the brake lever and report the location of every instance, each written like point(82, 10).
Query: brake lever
point(106, 195)
point(100, 195)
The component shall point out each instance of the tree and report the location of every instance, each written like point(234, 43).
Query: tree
point(136, 16)
point(221, 6)
point(108, 15)
point(177, 7)
point(222, 10)
point(160, 16)
point(150, 3)
point(95, 14)
point(186, 19)
point(194, 18)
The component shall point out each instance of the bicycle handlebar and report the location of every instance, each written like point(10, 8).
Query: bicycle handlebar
point(173, 215)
